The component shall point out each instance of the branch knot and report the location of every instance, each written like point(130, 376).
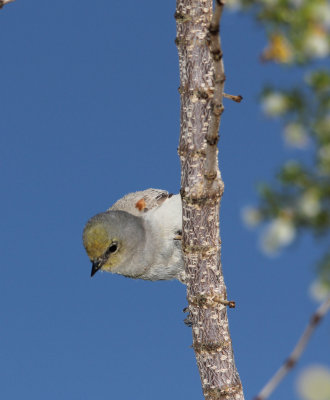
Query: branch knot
point(203, 250)
point(203, 199)
point(209, 301)
point(210, 347)
point(223, 393)
point(180, 17)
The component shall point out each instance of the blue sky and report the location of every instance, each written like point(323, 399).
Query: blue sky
point(90, 112)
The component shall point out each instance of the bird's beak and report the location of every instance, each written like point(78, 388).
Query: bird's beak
point(96, 265)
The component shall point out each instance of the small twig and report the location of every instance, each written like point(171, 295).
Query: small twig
point(229, 303)
point(233, 97)
point(4, 2)
point(296, 353)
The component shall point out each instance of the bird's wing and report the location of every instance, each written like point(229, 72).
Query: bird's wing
point(138, 203)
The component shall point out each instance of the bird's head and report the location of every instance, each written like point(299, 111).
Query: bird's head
point(111, 239)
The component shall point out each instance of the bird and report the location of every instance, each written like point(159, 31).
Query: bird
point(138, 237)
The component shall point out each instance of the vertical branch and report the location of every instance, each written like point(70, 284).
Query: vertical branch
point(201, 91)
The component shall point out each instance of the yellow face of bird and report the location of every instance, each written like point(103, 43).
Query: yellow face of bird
point(100, 247)
point(96, 241)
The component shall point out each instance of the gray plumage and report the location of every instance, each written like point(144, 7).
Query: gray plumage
point(138, 237)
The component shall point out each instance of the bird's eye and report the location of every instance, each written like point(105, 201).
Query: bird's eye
point(112, 248)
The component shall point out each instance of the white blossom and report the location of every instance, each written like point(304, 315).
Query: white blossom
point(309, 204)
point(233, 5)
point(316, 45)
point(296, 135)
point(251, 216)
point(319, 291)
point(314, 383)
point(279, 233)
point(324, 153)
point(274, 104)
point(321, 12)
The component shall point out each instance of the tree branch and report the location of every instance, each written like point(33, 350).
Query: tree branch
point(4, 2)
point(236, 98)
point(201, 90)
point(271, 385)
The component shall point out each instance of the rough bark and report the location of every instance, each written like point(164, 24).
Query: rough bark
point(201, 90)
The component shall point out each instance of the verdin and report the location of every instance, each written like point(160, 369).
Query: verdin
point(138, 237)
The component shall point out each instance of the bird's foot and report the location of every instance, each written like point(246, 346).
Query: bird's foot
point(187, 321)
